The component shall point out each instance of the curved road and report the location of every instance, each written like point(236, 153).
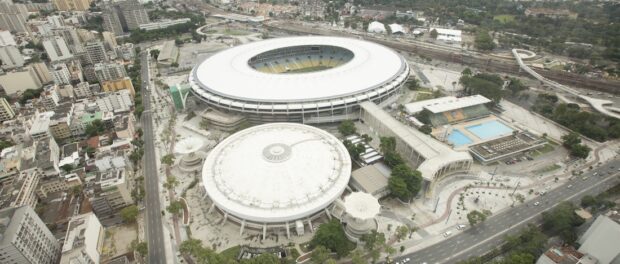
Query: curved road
point(488, 235)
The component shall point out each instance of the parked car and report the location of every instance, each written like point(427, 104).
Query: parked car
point(447, 234)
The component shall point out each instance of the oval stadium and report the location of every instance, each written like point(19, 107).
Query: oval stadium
point(277, 175)
point(312, 79)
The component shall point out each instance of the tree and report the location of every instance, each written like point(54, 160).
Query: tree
point(175, 207)
point(562, 221)
point(95, 128)
point(484, 41)
point(398, 187)
point(466, 72)
point(373, 242)
point(571, 139)
point(129, 213)
point(331, 236)
point(320, 254)
point(154, 53)
point(174, 65)
point(347, 128)
point(264, 258)
point(90, 151)
point(426, 129)
point(434, 33)
point(413, 84)
point(387, 144)
point(191, 246)
point(178, 42)
point(424, 116)
point(401, 232)
point(366, 138)
point(142, 248)
point(474, 217)
point(580, 151)
point(168, 159)
point(67, 168)
point(404, 182)
point(516, 86)
point(171, 182)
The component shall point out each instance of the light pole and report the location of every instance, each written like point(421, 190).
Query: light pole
point(516, 186)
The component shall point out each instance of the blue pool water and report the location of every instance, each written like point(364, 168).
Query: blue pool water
point(491, 129)
point(457, 138)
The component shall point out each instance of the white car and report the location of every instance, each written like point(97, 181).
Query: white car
point(406, 260)
point(447, 234)
point(537, 203)
point(460, 227)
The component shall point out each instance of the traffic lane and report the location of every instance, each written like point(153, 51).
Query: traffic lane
point(505, 219)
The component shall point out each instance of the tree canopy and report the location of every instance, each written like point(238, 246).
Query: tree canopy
point(404, 182)
point(129, 213)
point(347, 128)
point(562, 221)
point(331, 236)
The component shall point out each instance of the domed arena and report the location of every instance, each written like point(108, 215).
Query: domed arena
point(299, 79)
point(276, 175)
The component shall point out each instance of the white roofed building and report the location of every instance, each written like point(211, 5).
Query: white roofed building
point(299, 79)
point(376, 27)
point(448, 34)
point(280, 175)
point(397, 29)
point(432, 158)
point(83, 241)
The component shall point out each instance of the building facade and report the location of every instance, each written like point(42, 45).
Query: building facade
point(26, 239)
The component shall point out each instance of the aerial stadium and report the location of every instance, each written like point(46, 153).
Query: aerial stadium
point(278, 175)
point(312, 79)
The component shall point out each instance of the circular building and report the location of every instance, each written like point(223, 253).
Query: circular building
point(189, 147)
point(280, 175)
point(301, 79)
point(361, 209)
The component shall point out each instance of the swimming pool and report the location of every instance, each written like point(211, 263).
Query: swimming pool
point(457, 138)
point(491, 129)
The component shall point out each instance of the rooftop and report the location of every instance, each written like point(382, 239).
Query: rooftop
point(252, 174)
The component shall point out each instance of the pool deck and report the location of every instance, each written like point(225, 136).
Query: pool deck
point(462, 126)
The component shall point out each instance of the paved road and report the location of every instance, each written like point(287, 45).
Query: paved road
point(481, 239)
point(154, 227)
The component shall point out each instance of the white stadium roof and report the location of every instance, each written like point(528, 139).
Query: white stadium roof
point(361, 205)
point(276, 172)
point(229, 75)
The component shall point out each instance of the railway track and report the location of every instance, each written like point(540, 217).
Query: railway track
point(473, 59)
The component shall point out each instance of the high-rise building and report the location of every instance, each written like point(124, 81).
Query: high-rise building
point(57, 49)
point(119, 101)
point(10, 57)
point(6, 111)
point(96, 52)
point(13, 17)
point(111, 20)
point(25, 238)
point(133, 13)
point(61, 74)
point(109, 71)
point(71, 5)
point(109, 39)
point(84, 240)
point(71, 37)
point(42, 72)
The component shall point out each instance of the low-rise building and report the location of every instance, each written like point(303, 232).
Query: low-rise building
point(116, 102)
point(61, 183)
point(163, 24)
point(169, 53)
point(111, 188)
point(19, 80)
point(601, 240)
point(117, 85)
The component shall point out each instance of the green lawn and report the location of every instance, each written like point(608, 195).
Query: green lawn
point(232, 252)
point(504, 18)
point(548, 168)
point(545, 149)
point(420, 96)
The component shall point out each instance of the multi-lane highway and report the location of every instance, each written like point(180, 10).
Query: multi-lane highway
point(478, 240)
point(154, 229)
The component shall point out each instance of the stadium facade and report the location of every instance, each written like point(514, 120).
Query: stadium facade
point(308, 79)
point(278, 175)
